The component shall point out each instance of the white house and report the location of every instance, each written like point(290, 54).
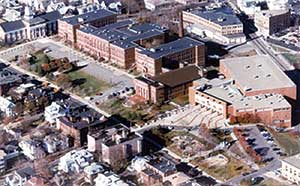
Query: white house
point(54, 143)
point(54, 111)
point(75, 161)
point(32, 149)
point(19, 177)
point(7, 106)
point(109, 179)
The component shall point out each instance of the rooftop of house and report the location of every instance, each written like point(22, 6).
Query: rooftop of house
point(114, 135)
point(171, 47)
point(9, 75)
point(162, 164)
point(226, 91)
point(223, 16)
point(26, 172)
point(88, 17)
point(256, 73)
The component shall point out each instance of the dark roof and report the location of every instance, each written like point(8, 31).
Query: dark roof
point(51, 16)
point(26, 172)
point(222, 16)
point(172, 47)
point(12, 25)
point(179, 76)
point(88, 17)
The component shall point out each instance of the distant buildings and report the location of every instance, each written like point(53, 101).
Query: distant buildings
point(269, 22)
point(30, 27)
point(115, 144)
point(290, 168)
point(259, 91)
point(67, 27)
point(220, 24)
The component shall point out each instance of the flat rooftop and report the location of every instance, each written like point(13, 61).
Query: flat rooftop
point(271, 13)
point(171, 48)
point(226, 91)
point(88, 17)
point(256, 73)
point(293, 160)
point(222, 16)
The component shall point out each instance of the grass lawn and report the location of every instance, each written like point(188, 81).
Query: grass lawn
point(293, 58)
point(138, 114)
point(289, 143)
point(232, 169)
point(87, 85)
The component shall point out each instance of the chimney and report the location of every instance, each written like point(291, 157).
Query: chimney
point(180, 29)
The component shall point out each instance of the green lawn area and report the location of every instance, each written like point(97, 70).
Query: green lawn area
point(289, 143)
point(87, 85)
point(137, 114)
point(293, 58)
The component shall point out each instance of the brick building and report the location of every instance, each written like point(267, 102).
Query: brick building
point(165, 57)
point(260, 91)
point(115, 144)
point(67, 26)
point(220, 24)
point(78, 121)
point(117, 42)
point(168, 85)
point(258, 75)
point(269, 22)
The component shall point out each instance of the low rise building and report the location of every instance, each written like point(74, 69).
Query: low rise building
point(257, 75)
point(32, 149)
point(220, 24)
point(54, 111)
point(7, 107)
point(168, 85)
point(8, 79)
point(115, 144)
point(290, 168)
point(30, 27)
point(78, 121)
point(20, 177)
point(75, 161)
point(91, 172)
point(117, 42)
point(269, 22)
point(166, 57)
point(55, 142)
point(67, 26)
point(109, 179)
point(3, 163)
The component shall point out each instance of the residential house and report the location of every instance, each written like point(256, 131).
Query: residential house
point(7, 107)
point(19, 177)
point(55, 142)
point(109, 179)
point(91, 172)
point(32, 149)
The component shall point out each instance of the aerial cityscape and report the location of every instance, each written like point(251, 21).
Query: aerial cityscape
point(149, 92)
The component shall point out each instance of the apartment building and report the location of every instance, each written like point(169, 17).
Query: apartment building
point(67, 26)
point(269, 22)
point(220, 24)
point(115, 144)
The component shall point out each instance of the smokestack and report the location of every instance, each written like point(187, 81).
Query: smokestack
point(180, 29)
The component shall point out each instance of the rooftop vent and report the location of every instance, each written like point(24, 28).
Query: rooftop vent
point(269, 75)
point(256, 77)
point(247, 67)
point(221, 19)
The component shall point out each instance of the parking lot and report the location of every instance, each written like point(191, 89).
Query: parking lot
point(119, 80)
point(262, 142)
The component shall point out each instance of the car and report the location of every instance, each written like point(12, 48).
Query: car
point(246, 173)
point(99, 94)
point(127, 89)
point(114, 94)
point(91, 98)
point(257, 180)
point(47, 50)
point(97, 103)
